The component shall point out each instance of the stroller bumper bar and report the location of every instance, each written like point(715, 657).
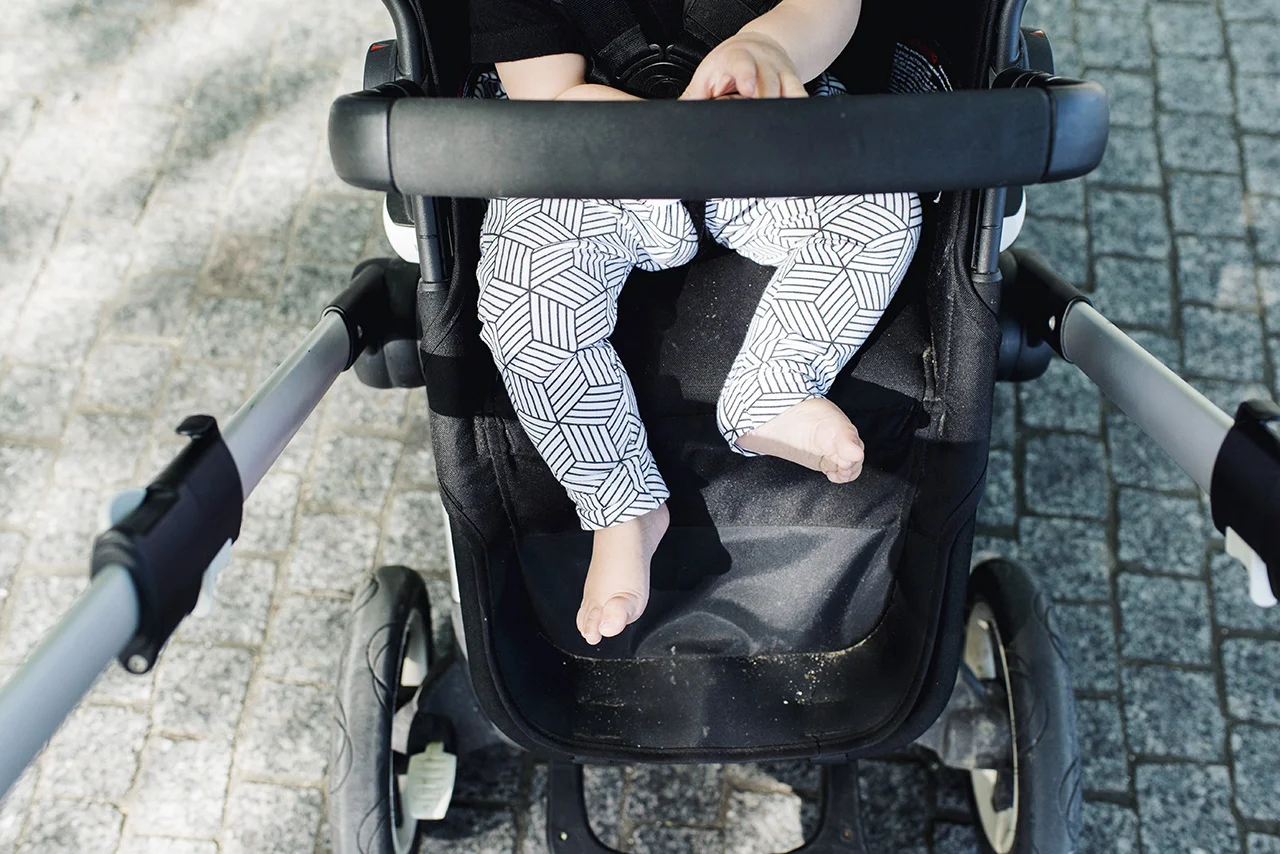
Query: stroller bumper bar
point(1043, 130)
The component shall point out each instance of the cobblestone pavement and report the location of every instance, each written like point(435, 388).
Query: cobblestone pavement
point(169, 227)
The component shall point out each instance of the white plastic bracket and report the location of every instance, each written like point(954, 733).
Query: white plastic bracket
point(1259, 582)
point(429, 787)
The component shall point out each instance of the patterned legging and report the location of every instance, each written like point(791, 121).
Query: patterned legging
point(550, 273)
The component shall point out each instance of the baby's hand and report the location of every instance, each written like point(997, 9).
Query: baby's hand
point(749, 64)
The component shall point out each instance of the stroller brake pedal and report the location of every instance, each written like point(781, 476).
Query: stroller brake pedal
point(429, 789)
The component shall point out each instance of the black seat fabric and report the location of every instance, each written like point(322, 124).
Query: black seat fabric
point(790, 616)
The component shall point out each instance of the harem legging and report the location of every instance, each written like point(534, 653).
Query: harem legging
point(550, 274)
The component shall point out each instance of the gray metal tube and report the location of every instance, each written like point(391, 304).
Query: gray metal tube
point(259, 431)
point(1178, 418)
point(44, 690)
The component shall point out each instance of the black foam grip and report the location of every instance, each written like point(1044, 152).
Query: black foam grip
point(1245, 489)
point(680, 149)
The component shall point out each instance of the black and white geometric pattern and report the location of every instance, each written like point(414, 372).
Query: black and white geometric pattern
point(550, 274)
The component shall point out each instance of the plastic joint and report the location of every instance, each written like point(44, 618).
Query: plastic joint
point(1045, 297)
point(166, 543)
point(1245, 490)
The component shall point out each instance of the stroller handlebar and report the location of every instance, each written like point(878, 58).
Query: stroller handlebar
point(389, 139)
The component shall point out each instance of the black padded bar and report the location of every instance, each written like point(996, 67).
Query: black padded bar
point(676, 149)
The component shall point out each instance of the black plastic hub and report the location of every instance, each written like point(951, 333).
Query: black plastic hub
point(1245, 491)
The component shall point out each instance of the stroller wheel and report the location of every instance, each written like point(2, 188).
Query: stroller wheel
point(386, 658)
point(1013, 642)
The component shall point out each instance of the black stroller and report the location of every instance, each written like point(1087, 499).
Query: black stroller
point(790, 619)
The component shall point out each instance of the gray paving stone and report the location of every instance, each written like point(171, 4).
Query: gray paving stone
point(1255, 47)
point(1063, 244)
point(1262, 164)
point(1131, 160)
point(1259, 844)
point(90, 257)
point(11, 548)
point(94, 756)
point(1173, 713)
point(216, 117)
point(1222, 344)
point(165, 845)
point(200, 690)
point(1257, 775)
point(1199, 143)
point(305, 639)
point(331, 552)
point(43, 337)
point(1206, 205)
point(1257, 103)
point(13, 809)
point(29, 217)
point(125, 376)
point(224, 330)
point(1161, 532)
point(37, 603)
point(893, 812)
point(1185, 807)
point(1063, 399)
point(174, 236)
point(181, 788)
point(1109, 828)
point(197, 387)
point(1231, 604)
point(305, 290)
point(472, 830)
point(153, 305)
point(1182, 30)
point(332, 230)
point(998, 508)
point(1265, 227)
point(101, 450)
point(1132, 292)
point(1252, 669)
point(1070, 556)
point(1062, 200)
point(356, 405)
point(269, 512)
point(1196, 85)
point(602, 787)
point(1228, 394)
point(1132, 95)
point(415, 532)
point(24, 472)
point(955, 839)
point(245, 265)
point(1250, 10)
point(286, 732)
point(1162, 619)
point(353, 472)
point(531, 819)
point(34, 401)
point(1128, 223)
point(270, 818)
point(657, 840)
point(1106, 765)
point(118, 686)
point(1111, 39)
point(1217, 272)
point(1091, 638)
point(1269, 289)
point(64, 527)
point(679, 794)
point(239, 614)
point(72, 827)
point(757, 823)
point(1065, 475)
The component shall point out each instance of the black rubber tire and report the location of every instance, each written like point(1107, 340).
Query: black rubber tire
point(1049, 779)
point(360, 799)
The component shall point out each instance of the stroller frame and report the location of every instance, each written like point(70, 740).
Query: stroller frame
point(168, 543)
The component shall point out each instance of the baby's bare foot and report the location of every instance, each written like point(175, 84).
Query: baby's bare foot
point(617, 587)
point(814, 433)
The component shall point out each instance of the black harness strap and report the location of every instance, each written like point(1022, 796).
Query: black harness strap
point(635, 61)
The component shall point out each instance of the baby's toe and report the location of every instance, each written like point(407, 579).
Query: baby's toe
point(589, 623)
point(614, 617)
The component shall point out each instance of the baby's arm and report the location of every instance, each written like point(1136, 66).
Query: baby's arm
point(776, 53)
point(560, 77)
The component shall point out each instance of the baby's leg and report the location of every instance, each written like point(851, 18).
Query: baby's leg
point(839, 262)
point(550, 273)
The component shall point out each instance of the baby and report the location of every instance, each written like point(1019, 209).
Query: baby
point(551, 271)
